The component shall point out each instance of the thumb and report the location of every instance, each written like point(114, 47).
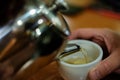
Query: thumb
point(104, 68)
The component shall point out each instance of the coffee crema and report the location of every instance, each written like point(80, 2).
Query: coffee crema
point(81, 57)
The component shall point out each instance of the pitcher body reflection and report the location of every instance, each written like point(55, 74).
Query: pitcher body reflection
point(37, 31)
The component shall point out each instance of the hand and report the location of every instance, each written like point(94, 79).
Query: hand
point(110, 42)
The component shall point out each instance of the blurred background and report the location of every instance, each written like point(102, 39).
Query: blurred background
point(101, 14)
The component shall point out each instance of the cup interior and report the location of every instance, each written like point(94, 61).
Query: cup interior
point(92, 54)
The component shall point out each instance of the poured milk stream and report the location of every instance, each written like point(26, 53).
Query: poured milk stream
point(80, 57)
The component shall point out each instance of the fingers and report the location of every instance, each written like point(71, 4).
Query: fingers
point(102, 37)
point(86, 33)
point(105, 67)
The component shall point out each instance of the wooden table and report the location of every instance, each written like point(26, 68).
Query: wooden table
point(50, 72)
point(81, 20)
point(92, 19)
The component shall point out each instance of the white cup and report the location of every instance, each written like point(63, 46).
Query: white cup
point(80, 71)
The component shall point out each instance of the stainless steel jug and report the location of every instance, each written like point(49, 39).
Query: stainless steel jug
point(38, 31)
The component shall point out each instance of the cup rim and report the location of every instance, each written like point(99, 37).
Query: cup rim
point(87, 64)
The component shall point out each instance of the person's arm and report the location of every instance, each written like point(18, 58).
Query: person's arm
point(110, 42)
